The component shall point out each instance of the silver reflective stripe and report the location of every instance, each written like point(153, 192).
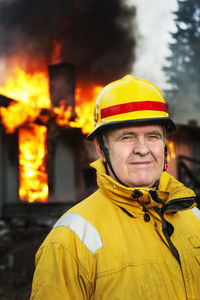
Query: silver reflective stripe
point(86, 232)
point(196, 211)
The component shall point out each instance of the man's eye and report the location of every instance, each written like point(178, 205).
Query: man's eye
point(153, 137)
point(127, 139)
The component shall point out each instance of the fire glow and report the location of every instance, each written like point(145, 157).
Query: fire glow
point(31, 92)
point(33, 179)
point(171, 150)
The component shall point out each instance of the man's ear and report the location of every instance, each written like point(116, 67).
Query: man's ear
point(98, 148)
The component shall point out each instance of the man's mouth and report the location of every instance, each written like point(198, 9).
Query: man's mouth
point(140, 163)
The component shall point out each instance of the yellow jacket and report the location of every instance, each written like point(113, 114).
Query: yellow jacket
point(121, 243)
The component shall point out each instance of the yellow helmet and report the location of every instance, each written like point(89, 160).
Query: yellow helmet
point(130, 100)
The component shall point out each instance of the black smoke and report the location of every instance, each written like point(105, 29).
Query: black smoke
point(97, 35)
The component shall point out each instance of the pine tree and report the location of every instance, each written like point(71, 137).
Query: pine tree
point(183, 70)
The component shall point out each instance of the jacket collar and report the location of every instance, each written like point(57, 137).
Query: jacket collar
point(169, 191)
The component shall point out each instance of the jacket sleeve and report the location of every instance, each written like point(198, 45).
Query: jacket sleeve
point(59, 275)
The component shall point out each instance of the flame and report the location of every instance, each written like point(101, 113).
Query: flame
point(33, 180)
point(32, 89)
point(31, 92)
point(84, 110)
point(170, 150)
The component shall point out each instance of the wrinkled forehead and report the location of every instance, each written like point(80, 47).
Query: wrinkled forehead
point(136, 128)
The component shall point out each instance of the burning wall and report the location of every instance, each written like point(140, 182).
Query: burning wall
point(46, 174)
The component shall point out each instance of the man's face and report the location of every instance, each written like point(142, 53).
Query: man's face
point(137, 154)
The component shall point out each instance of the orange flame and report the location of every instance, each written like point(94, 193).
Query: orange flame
point(84, 110)
point(170, 150)
point(32, 94)
point(28, 88)
point(33, 180)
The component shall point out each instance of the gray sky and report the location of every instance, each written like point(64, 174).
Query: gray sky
point(155, 20)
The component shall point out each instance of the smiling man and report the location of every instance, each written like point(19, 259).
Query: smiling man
point(136, 154)
point(136, 237)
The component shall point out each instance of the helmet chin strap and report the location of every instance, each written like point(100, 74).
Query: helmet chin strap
point(105, 151)
point(165, 159)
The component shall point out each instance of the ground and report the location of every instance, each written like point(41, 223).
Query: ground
point(19, 242)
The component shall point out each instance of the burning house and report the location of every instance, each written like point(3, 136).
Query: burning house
point(44, 156)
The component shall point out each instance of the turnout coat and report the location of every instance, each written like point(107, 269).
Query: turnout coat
point(123, 243)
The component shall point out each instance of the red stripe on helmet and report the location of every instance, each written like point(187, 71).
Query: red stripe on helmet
point(131, 107)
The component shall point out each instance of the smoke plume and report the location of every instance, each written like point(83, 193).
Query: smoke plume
point(96, 36)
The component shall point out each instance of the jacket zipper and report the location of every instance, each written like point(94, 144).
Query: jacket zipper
point(166, 225)
point(167, 229)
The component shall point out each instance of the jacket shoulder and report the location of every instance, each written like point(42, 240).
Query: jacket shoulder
point(78, 224)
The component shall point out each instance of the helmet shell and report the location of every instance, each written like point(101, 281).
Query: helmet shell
point(130, 100)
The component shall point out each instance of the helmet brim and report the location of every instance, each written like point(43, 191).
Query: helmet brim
point(167, 122)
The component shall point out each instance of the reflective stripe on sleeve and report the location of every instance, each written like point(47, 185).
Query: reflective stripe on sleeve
point(196, 211)
point(86, 232)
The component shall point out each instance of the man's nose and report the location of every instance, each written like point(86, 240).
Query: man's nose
point(141, 147)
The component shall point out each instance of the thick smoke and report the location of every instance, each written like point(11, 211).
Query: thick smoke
point(96, 36)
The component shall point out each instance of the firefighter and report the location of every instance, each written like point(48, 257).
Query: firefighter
point(137, 236)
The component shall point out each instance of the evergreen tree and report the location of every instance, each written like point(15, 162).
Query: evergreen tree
point(183, 70)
